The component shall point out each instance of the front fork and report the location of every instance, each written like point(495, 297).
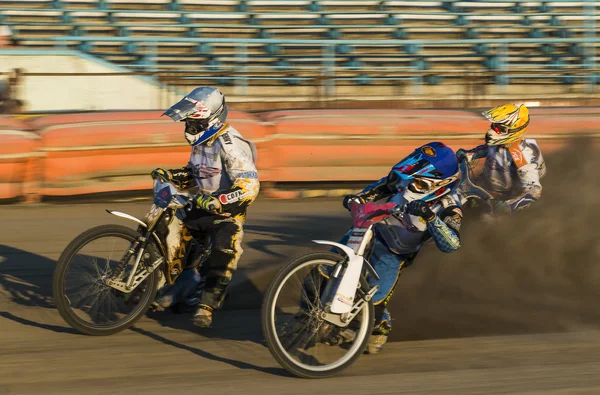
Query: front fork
point(331, 288)
point(138, 245)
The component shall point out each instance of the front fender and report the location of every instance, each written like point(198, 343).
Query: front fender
point(127, 216)
point(347, 250)
point(159, 243)
point(346, 291)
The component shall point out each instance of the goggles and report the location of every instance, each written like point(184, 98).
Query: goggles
point(499, 128)
point(421, 185)
point(196, 126)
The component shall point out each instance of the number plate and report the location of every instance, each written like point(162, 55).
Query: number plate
point(152, 215)
point(356, 237)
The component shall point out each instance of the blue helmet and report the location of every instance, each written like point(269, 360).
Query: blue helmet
point(428, 173)
point(204, 112)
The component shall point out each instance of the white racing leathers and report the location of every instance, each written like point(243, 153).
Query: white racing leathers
point(224, 167)
point(512, 173)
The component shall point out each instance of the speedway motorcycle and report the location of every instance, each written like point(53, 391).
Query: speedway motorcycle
point(109, 276)
point(317, 313)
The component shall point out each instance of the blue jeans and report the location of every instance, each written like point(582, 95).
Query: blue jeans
point(388, 266)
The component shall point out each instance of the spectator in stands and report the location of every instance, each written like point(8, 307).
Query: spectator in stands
point(222, 164)
point(9, 103)
point(513, 165)
point(6, 37)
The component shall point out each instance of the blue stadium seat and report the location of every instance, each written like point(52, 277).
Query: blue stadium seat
point(281, 20)
point(203, 49)
point(364, 79)
point(434, 79)
point(344, 49)
point(399, 34)
point(272, 49)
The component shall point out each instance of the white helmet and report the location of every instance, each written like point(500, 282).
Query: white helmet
point(204, 112)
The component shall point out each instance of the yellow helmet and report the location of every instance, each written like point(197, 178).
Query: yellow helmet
point(509, 123)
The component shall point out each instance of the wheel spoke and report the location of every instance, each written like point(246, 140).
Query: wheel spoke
point(89, 304)
point(306, 341)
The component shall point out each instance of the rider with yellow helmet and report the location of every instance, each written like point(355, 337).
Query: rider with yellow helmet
point(513, 165)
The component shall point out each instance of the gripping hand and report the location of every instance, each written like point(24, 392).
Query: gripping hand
point(421, 209)
point(208, 203)
point(163, 174)
point(349, 198)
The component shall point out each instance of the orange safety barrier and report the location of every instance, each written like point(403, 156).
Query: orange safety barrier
point(90, 153)
point(70, 154)
point(356, 145)
point(18, 163)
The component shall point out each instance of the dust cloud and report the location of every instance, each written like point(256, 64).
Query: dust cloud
point(535, 271)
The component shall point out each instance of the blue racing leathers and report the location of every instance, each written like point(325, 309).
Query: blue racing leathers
point(399, 238)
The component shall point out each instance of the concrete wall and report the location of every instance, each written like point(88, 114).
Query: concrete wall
point(73, 92)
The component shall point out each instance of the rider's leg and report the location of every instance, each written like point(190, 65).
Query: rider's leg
point(177, 238)
point(220, 267)
point(389, 267)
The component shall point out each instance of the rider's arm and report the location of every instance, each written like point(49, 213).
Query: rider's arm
point(184, 176)
point(376, 191)
point(478, 152)
point(444, 229)
point(239, 164)
point(532, 188)
point(529, 176)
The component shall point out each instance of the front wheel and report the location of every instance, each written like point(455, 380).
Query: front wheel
point(79, 285)
point(298, 337)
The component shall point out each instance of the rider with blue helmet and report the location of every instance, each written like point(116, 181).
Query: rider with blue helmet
point(425, 183)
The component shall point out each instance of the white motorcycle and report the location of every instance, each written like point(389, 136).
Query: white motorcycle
point(318, 313)
point(109, 276)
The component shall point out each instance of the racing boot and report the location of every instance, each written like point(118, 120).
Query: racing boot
point(209, 302)
point(204, 316)
point(380, 333)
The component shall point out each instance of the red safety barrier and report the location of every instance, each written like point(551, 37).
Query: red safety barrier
point(18, 163)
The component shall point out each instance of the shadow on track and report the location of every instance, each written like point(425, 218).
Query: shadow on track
point(25, 277)
point(207, 355)
point(24, 321)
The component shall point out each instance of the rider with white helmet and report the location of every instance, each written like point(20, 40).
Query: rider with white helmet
point(223, 165)
point(425, 181)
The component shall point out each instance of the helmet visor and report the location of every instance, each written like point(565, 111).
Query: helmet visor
point(186, 108)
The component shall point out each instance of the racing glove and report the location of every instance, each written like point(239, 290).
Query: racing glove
point(421, 209)
point(348, 198)
point(208, 203)
point(180, 177)
point(462, 154)
point(161, 173)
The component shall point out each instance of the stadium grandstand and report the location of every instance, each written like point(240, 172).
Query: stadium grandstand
point(328, 47)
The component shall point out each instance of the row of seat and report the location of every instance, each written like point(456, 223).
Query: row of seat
point(304, 5)
point(120, 34)
point(27, 31)
point(8, 15)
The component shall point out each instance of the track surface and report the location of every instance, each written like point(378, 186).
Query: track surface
point(444, 348)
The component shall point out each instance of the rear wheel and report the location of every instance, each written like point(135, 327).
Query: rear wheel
point(297, 336)
point(80, 292)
